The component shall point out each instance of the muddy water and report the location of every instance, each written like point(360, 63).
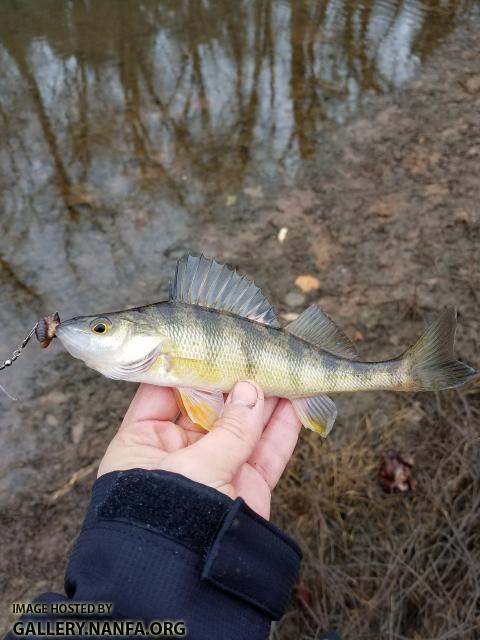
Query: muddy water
point(124, 127)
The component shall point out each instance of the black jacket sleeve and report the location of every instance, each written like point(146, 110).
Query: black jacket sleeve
point(162, 547)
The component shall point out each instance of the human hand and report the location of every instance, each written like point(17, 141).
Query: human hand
point(243, 455)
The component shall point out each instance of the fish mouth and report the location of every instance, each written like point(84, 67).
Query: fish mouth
point(77, 338)
point(73, 338)
point(72, 325)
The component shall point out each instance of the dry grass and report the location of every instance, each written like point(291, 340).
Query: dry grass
point(380, 565)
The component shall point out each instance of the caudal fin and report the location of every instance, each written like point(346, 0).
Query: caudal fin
point(430, 361)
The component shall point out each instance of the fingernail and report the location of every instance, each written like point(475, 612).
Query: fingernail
point(244, 394)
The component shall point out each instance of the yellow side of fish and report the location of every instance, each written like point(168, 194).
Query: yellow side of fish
point(218, 328)
point(212, 351)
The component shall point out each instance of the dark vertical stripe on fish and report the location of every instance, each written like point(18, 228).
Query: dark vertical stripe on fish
point(248, 347)
point(213, 335)
point(332, 370)
point(296, 364)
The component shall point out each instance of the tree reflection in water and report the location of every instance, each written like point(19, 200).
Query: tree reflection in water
point(122, 120)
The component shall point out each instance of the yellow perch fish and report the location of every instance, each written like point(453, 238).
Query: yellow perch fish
point(217, 328)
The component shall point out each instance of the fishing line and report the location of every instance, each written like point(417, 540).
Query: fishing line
point(9, 361)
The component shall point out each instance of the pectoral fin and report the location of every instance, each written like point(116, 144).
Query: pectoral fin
point(202, 407)
point(317, 413)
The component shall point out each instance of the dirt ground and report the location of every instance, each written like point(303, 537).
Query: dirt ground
point(388, 220)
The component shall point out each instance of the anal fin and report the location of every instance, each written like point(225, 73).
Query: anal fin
point(202, 407)
point(317, 413)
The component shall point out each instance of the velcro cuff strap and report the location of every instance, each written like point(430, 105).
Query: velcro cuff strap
point(241, 552)
point(253, 560)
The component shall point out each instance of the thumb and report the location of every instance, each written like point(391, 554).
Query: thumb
point(234, 435)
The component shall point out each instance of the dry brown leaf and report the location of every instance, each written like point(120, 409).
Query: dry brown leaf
point(387, 206)
point(290, 316)
point(307, 283)
point(303, 593)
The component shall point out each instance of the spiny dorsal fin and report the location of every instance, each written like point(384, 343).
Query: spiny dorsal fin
point(315, 327)
point(208, 283)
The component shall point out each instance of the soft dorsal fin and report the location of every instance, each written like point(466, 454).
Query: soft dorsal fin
point(315, 327)
point(208, 283)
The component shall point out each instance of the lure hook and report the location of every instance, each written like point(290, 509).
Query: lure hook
point(44, 331)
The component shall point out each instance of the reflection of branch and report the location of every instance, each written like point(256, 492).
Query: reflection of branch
point(236, 42)
point(288, 147)
point(198, 28)
point(82, 149)
point(269, 47)
point(248, 116)
point(9, 270)
point(179, 138)
point(298, 80)
point(17, 170)
point(133, 71)
point(367, 77)
point(48, 134)
point(434, 31)
point(202, 94)
point(127, 53)
point(393, 19)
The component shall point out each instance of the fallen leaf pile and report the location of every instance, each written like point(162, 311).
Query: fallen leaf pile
point(396, 472)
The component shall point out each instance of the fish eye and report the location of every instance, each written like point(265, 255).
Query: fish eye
point(100, 326)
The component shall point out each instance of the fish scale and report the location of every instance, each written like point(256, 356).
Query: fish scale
point(221, 349)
